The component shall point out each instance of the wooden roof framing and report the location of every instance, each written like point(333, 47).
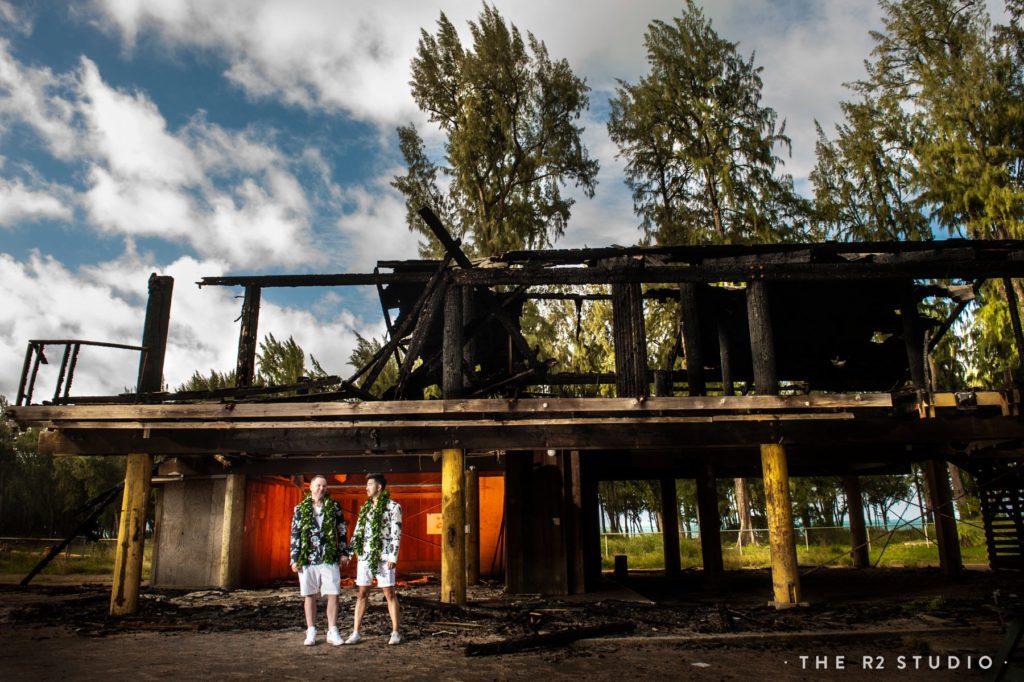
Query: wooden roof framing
point(841, 319)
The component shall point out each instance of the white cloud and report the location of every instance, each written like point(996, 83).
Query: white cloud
point(19, 203)
point(34, 97)
point(228, 194)
point(130, 135)
point(14, 18)
point(374, 228)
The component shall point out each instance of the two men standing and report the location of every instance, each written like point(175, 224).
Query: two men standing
point(319, 549)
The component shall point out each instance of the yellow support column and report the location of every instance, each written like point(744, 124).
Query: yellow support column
point(453, 526)
point(781, 538)
point(124, 593)
point(124, 596)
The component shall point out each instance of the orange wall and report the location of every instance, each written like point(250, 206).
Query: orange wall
point(268, 519)
point(268, 516)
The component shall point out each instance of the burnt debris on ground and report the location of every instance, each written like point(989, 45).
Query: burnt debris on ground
point(840, 600)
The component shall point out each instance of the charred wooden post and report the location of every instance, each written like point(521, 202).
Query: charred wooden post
point(232, 532)
point(781, 537)
point(946, 536)
point(689, 320)
point(709, 521)
point(762, 340)
point(670, 526)
point(630, 341)
point(472, 526)
point(858, 531)
point(575, 521)
point(451, 358)
point(453, 460)
point(124, 595)
point(245, 369)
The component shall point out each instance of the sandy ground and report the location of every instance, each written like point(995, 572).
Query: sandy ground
point(57, 629)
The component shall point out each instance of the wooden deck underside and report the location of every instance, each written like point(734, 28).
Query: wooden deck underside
point(832, 433)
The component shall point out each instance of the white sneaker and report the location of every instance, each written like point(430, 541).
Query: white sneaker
point(333, 636)
point(310, 637)
point(354, 638)
point(395, 638)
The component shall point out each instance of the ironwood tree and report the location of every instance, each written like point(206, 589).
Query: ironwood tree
point(935, 134)
point(509, 114)
point(699, 146)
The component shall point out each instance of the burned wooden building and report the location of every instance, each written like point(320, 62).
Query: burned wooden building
point(802, 359)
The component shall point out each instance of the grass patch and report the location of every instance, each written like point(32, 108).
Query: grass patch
point(86, 558)
point(906, 548)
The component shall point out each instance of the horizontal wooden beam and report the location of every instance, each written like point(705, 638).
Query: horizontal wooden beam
point(451, 409)
point(695, 434)
point(793, 272)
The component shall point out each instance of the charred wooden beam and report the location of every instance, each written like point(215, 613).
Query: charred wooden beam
point(324, 280)
point(799, 272)
point(992, 249)
point(453, 249)
point(377, 364)
point(431, 309)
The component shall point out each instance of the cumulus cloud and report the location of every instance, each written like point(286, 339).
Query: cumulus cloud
point(228, 193)
point(373, 228)
point(19, 203)
point(14, 18)
point(44, 299)
point(37, 99)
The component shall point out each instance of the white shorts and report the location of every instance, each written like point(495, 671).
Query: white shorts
point(364, 578)
point(319, 579)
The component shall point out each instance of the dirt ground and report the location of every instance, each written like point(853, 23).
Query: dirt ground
point(906, 624)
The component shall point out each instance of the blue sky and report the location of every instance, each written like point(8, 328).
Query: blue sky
point(207, 137)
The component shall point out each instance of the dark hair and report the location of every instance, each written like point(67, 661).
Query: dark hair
point(379, 478)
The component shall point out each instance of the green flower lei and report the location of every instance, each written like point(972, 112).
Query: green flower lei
point(376, 539)
point(306, 530)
